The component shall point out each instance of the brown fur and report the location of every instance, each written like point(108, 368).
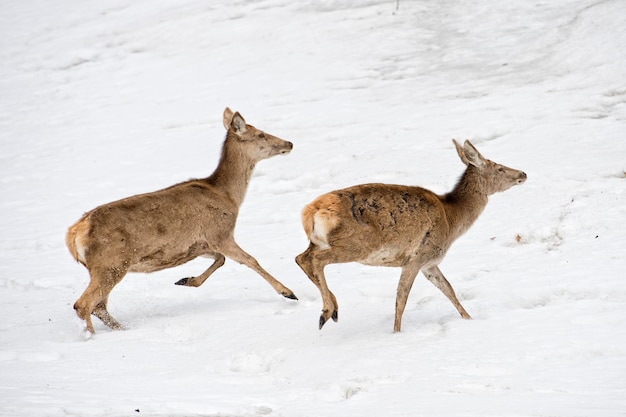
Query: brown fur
point(398, 226)
point(166, 228)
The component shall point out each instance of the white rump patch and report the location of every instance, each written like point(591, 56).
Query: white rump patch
point(80, 250)
point(319, 234)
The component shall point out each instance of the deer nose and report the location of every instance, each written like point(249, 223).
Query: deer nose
point(288, 147)
point(522, 178)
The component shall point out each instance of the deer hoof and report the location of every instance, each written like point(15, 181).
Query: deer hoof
point(184, 281)
point(289, 295)
point(324, 318)
point(322, 321)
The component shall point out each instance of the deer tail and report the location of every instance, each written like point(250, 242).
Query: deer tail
point(76, 239)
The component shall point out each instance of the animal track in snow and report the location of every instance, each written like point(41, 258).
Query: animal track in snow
point(252, 362)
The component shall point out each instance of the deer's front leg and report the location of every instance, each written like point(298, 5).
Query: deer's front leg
point(409, 272)
point(234, 252)
point(435, 276)
point(199, 280)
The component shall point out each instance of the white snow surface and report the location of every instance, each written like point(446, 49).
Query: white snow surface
point(102, 100)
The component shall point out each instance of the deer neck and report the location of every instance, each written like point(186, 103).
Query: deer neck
point(466, 201)
point(234, 171)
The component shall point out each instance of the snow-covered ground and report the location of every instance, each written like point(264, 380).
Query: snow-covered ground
point(101, 100)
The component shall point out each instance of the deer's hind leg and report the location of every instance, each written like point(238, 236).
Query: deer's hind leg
point(305, 262)
point(103, 314)
point(314, 268)
point(86, 304)
point(95, 297)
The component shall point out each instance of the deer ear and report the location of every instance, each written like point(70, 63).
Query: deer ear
point(228, 117)
point(461, 152)
point(472, 155)
point(238, 124)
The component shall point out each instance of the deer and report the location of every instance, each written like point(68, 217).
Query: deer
point(167, 228)
point(398, 226)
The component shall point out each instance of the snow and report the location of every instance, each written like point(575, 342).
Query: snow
point(104, 100)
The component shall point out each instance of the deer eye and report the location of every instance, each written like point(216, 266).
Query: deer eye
point(500, 169)
point(261, 135)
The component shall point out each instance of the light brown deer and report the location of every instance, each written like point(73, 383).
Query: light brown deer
point(398, 226)
point(166, 228)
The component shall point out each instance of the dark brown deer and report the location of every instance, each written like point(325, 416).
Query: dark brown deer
point(166, 228)
point(399, 226)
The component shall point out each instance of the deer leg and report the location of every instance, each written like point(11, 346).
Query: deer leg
point(87, 302)
point(305, 261)
point(338, 253)
point(330, 309)
point(234, 252)
point(94, 298)
point(435, 276)
point(199, 280)
point(102, 313)
point(407, 277)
